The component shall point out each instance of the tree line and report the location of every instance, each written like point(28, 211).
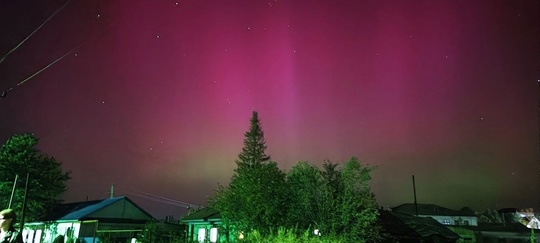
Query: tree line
point(334, 202)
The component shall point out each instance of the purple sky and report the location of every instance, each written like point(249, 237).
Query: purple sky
point(158, 95)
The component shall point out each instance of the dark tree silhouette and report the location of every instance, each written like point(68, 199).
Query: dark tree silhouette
point(253, 152)
point(47, 181)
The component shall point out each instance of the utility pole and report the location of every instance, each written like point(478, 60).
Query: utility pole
point(24, 203)
point(538, 121)
point(112, 190)
point(414, 191)
point(13, 191)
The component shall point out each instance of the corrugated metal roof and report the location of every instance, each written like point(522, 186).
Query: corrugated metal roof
point(403, 225)
point(81, 210)
point(88, 208)
point(432, 209)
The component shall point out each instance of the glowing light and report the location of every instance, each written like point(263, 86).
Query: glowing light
point(213, 234)
point(201, 235)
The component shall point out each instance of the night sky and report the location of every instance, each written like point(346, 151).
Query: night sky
point(155, 96)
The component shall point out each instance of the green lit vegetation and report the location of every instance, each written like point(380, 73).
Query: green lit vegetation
point(47, 181)
point(285, 235)
point(335, 201)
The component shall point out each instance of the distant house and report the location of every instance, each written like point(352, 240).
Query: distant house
point(405, 228)
point(523, 216)
point(446, 216)
point(116, 218)
point(205, 225)
point(496, 232)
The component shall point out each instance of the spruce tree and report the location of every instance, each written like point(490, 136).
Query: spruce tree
point(256, 196)
point(253, 152)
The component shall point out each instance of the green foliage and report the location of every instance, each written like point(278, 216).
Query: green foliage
point(152, 233)
point(260, 197)
point(305, 182)
point(47, 181)
point(359, 210)
point(149, 234)
point(285, 235)
point(334, 201)
point(256, 195)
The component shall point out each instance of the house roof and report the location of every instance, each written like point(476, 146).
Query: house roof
point(432, 209)
point(407, 226)
point(105, 209)
point(204, 214)
point(497, 227)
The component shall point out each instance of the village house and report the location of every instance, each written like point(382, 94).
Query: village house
point(116, 218)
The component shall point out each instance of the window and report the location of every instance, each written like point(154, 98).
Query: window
point(213, 235)
point(446, 222)
point(37, 236)
point(201, 235)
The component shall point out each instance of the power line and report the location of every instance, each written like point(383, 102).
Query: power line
point(33, 32)
point(157, 198)
point(4, 93)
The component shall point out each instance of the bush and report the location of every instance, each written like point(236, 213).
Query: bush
point(284, 235)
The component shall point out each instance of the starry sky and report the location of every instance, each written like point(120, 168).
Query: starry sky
point(155, 96)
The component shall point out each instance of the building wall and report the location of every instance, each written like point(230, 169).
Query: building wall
point(195, 233)
point(454, 220)
point(42, 232)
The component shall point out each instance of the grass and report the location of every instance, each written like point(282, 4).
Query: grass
point(284, 235)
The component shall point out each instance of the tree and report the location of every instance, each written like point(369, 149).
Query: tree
point(253, 152)
point(150, 233)
point(359, 210)
point(256, 196)
point(490, 216)
point(337, 202)
point(304, 182)
point(47, 181)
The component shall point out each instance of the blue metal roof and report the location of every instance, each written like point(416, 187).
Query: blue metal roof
point(86, 208)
